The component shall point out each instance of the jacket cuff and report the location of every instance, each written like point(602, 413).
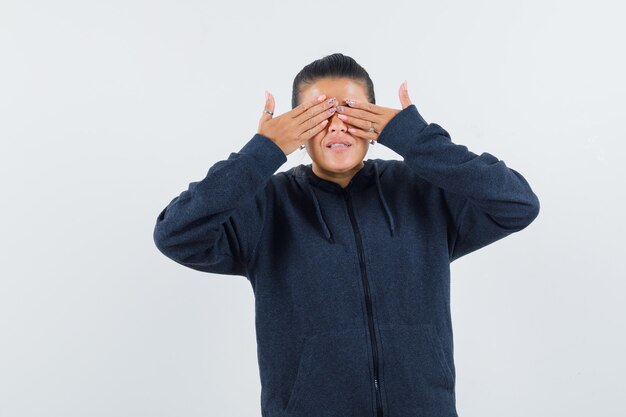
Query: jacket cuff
point(402, 129)
point(268, 156)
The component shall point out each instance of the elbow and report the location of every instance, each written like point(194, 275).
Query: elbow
point(163, 237)
point(533, 209)
point(187, 247)
point(161, 240)
point(530, 207)
point(169, 246)
point(167, 236)
point(529, 212)
point(518, 216)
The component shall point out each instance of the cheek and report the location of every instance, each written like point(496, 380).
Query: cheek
point(317, 139)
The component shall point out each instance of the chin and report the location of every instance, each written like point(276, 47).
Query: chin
point(338, 162)
point(340, 165)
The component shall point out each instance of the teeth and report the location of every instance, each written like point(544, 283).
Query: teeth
point(334, 145)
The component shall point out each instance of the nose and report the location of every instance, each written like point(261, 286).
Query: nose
point(336, 124)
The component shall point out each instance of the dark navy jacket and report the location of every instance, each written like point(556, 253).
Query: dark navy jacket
point(351, 286)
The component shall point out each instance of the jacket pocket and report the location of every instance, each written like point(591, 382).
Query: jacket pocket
point(417, 377)
point(439, 352)
point(333, 377)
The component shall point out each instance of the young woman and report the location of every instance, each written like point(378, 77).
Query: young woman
point(349, 259)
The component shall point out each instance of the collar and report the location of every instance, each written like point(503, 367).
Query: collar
point(370, 172)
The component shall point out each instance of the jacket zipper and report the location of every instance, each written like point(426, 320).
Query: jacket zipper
point(368, 301)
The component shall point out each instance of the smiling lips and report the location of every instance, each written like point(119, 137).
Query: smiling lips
point(338, 147)
point(338, 144)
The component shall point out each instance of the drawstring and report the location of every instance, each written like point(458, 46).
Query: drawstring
point(382, 199)
point(319, 213)
point(323, 223)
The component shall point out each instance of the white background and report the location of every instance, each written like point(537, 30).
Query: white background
point(109, 109)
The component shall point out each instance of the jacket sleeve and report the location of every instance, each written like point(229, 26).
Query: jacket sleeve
point(486, 200)
point(215, 224)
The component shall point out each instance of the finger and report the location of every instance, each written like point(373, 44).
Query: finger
point(272, 102)
point(308, 134)
point(357, 113)
point(303, 107)
point(269, 106)
point(362, 134)
point(359, 118)
point(317, 113)
point(356, 122)
point(318, 118)
point(404, 95)
point(364, 105)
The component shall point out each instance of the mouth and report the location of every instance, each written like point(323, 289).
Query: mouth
point(339, 146)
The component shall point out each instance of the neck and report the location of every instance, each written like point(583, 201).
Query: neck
point(342, 178)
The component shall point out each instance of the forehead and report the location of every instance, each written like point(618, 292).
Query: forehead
point(341, 88)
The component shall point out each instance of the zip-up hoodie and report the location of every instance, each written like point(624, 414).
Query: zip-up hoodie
point(351, 285)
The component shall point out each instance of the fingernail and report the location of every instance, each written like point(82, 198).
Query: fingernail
point(322, 97)
point(267, 96)
point(332, 100)
point(350, 102)
point(340, 109)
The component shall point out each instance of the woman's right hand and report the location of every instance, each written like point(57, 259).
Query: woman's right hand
point(289, 130)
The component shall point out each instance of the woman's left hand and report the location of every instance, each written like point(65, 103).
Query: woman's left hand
point(363, 115)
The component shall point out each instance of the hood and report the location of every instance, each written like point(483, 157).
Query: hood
point(370, 173)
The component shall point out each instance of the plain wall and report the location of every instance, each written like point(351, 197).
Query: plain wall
point(109, 109)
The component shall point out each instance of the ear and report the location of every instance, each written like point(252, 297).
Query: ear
point(404, 95)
